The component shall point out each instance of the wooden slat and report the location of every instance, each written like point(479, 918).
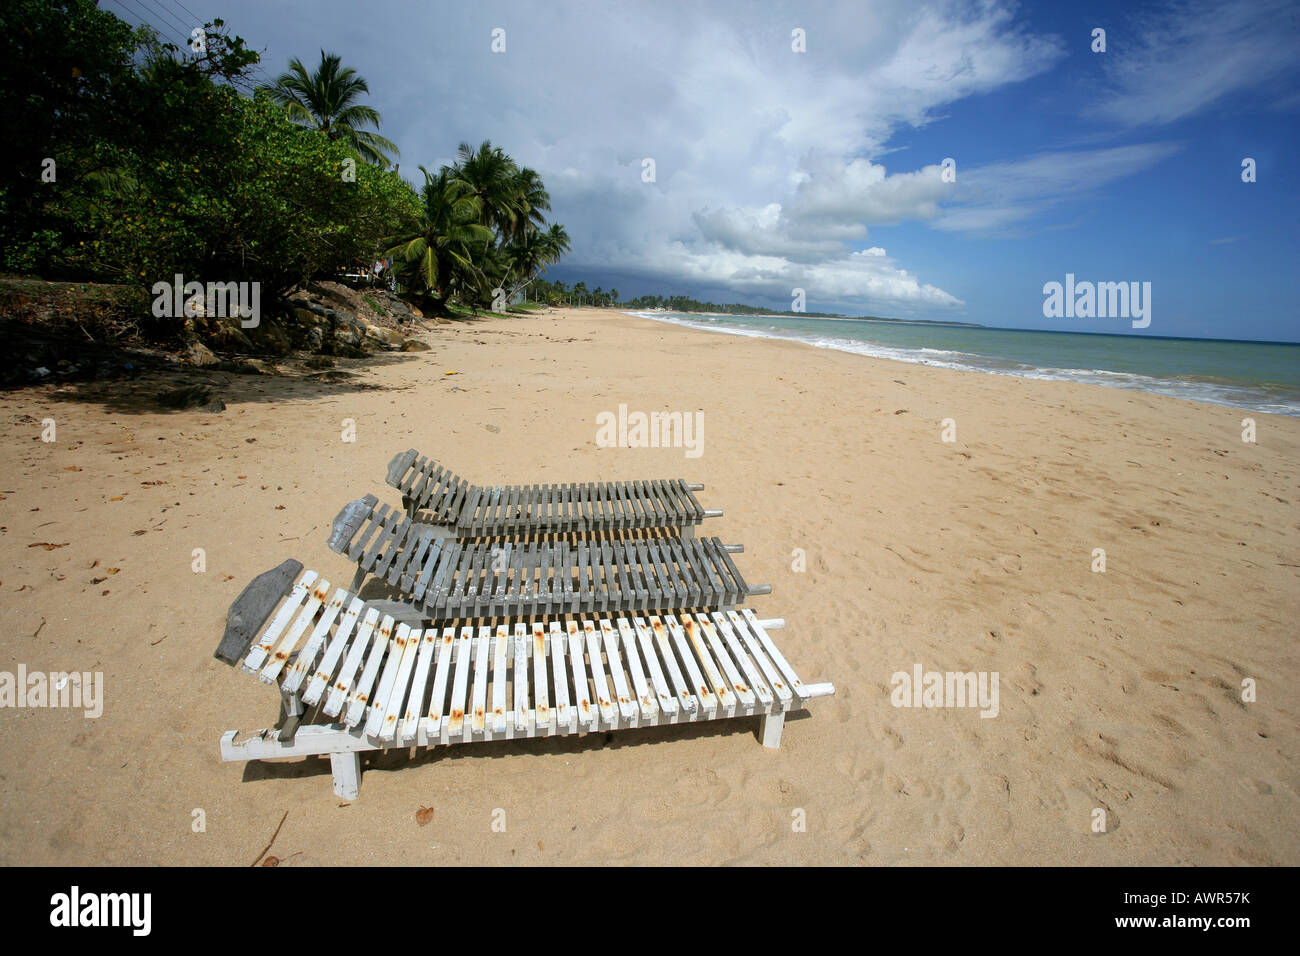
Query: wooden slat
point(362, 692)
point(251, 610)
point(521, 678)
point(623, 698)
point(321, 676)
point(604, 700)
point(422, 472)
point(280, 655)
point(683, 689)
point(770, 674)
point(774, 652)
point(303, 665)
point(405, 528)
point(482, 657)
point(460, 685)
point(500, 677)
point(257, 655)
point(699, 643)
point(388, 700)
point(577, 657)
point(438, 701)
point(699, 686)
point(663, 693)
point(728, 652)
point(563, 711)
point(342, 686)
point(753, 680)
point(541, 681)
point(385, 522)
point(645, 699)
point(415, 700)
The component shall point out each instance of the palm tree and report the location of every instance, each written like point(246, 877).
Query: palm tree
point(492, 177)
point(529, 255)
point(326, 100)
point(440, 258)
point(533, 201)
point(556, 240)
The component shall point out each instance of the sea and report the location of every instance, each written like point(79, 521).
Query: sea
point(1256, 376)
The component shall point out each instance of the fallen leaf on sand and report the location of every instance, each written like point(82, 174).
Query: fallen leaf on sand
point(118, 498)
point(139, 532)
point(271, 861)
point(279, 507)
point(48, 545)
point(71, 468)
point(423, 815)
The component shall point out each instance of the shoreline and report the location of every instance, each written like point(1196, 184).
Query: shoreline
point(1145, 383)
point(887, 547)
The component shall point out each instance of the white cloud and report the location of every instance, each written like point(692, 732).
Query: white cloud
point(747, 136)
point(1190, 56)
point(861, 191)
point(990, 198)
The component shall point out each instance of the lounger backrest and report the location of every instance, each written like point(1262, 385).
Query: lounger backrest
point(431, 486)
point(453, 579)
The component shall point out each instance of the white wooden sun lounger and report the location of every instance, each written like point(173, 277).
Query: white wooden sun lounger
point(374, 684)
point(477, 511)
point(444, 578)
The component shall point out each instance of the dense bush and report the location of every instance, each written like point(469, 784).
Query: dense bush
point(164, 167)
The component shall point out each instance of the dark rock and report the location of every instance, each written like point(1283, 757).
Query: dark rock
point(187, 396)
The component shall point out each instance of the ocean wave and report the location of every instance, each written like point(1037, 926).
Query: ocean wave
point(1215, 393)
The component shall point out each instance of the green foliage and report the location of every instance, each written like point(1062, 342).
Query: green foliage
point(165, 166)
point(253, 198)
point(326, 99)
point(508, 249)
point(171, 171)
point(682, 303)
point(438, 258)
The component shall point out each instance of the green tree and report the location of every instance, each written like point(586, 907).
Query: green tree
point(326, 99)
point(438, 259)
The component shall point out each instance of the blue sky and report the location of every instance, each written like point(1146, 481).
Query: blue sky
point(820, 170)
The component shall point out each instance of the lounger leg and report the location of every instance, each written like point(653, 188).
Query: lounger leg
point(292, 709)
point(357, 580)
point(408, 505)
point(346, 768)
point(769, 730)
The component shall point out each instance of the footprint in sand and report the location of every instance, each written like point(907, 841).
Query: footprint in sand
point(696, 786)
point(1080, 812)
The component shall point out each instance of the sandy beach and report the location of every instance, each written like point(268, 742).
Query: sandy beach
point(1120, 690)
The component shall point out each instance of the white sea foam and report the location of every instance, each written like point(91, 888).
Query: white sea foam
point(1212, 393)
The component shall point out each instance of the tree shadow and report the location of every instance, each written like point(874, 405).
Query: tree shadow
point(159, 387)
